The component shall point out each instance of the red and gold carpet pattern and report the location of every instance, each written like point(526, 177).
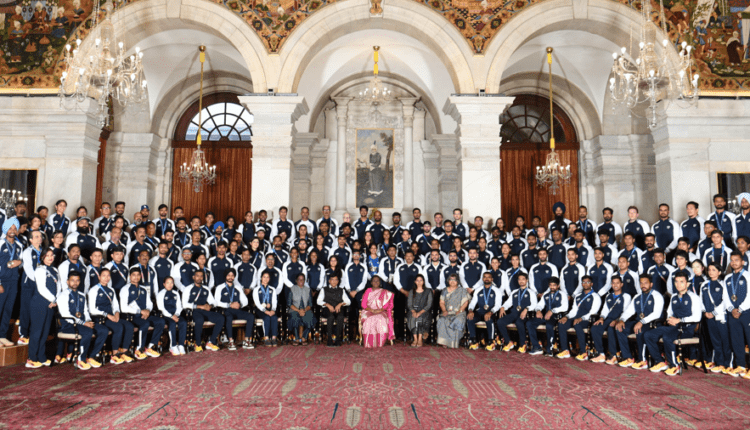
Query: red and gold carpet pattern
point(316, 387)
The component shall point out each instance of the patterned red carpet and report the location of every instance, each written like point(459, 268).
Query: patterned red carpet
point(316, 387)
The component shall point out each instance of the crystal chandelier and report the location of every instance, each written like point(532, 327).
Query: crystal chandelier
point(198, 172)
point(103, 72)
point(653, 77)
point(553, 173)
point(376, 91)
point(8, 199)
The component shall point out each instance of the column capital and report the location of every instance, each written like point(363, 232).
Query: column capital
point(305, 141)
point(276, 109)
point(342, 106)
point(482, 112)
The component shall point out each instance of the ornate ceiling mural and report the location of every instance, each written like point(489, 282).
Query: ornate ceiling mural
point(33, 33)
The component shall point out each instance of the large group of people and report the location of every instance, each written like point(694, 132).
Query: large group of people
point(118, 284)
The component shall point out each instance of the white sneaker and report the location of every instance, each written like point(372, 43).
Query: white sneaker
point(182, 350)
point(223, 339)
point(174, 350)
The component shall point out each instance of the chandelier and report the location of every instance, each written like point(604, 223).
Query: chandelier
point(376, 91)
point(198, 172)
point(103, 72)
point(653, 77)
point(553, 173)
point(8, 199)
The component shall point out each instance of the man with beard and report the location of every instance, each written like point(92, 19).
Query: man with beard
point(560, 222)
point(613, 229)
point(725, 221)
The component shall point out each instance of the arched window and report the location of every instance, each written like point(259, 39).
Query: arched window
point(527, 121)
point(223, 119)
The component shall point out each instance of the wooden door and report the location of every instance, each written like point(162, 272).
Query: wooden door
point(525, 145)
point(226, 141)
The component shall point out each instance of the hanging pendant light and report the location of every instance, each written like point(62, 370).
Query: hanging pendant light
point(199, 172)
point(376, 92)
point(553, 174)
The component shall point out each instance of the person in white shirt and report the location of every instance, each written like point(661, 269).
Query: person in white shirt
point(264, 298)
point(333, 298)
point(548, 311)
point(169, 303)
point(683, 314)
point(230, 297)
point(585, 305)
point(483, 306)
point(614, 304)
point(104, 307)
point(199, 299)
point(135, 300)
point(75, 319)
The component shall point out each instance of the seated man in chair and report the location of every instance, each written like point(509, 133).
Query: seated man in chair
point(333, 298)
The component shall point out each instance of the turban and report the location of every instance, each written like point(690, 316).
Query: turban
point(558, 205)
point(219, 224)
point(10, 222)
point(745, 196)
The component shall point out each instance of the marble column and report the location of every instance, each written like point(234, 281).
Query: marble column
point(478, 133)
point(318, 159)
point(419, 161)
point(329, 163)
point(447, 174)
point(408, 112)
point(302, 173)
point(273, 132)
point(136, 172)
point(342, 107)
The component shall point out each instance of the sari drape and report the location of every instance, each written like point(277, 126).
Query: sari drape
point(377, 328)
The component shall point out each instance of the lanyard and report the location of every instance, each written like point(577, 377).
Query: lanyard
point(38, 256)
point(643, 302)
point(117, 269)
point(101, 287)
point(486, 294)
point(231, 298)
point(12, 249)
point(521, 296)
point(584, 226)
point(632, 251)
point(617, 299)
point(513, 274)
point(54, 221)
point(552, 298)
point(95, 271)
point(50, 274)
point(721, 259)
point(76, 301)
point(140, 267)
point(736, 281)
point(266, 294)
point(719, 220)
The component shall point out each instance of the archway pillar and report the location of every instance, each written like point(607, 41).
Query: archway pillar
point(478, 150)
point(273, 134)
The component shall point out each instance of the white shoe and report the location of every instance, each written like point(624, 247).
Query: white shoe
point(223, 339)
point(174, 350)
point(182, 350)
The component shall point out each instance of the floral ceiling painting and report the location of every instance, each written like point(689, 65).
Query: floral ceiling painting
point(33, 33)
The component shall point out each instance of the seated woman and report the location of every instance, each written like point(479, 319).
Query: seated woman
point(376, 319)
point(419, 311)
point(299, 302)
point(452, 320)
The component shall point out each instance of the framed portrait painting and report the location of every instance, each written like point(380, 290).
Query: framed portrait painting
point(374, 161)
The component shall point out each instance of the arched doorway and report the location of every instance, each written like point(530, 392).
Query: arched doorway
point(226, 134)
point(525, 135)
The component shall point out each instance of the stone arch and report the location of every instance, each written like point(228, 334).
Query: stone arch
point(141, 19)
point(403, 16)
point(608, 19)
point(391, 80)
point(570, 98)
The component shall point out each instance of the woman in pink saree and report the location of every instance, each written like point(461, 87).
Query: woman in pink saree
point(376, 321)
